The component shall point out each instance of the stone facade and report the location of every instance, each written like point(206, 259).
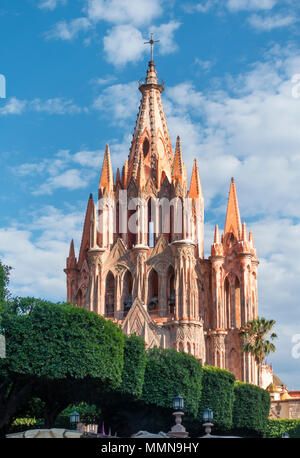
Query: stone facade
point(155, 281)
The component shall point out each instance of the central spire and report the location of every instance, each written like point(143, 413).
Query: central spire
point(151, 136)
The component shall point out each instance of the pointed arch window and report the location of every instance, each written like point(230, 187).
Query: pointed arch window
point(79, 299)
point(110, 295)
point(153, 292)
point(127, 292)
point(171, 290)
point(146, 147)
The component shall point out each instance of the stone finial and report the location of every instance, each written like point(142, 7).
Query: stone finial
point(244, 233)
point(195, 186)
point(233, 220)
point(178, 166)
point(106, 179)
point(217, 235)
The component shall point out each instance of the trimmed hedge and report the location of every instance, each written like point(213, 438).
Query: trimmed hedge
point(251, 407)
point(218, 395)
point(276, 427)
point(169, 373)
point(134, 366)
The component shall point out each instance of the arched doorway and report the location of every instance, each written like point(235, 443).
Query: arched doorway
point(79, 298)
point(109, 295)
point(153, 292)
point(127, 292)
point(171, 290)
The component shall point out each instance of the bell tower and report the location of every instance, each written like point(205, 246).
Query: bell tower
point(141, 261)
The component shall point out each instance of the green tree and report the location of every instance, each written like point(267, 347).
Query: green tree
point(4, 280)
point(52, 349)
point(255, 334)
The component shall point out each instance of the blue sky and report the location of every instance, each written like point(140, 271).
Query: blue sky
point(230, 69)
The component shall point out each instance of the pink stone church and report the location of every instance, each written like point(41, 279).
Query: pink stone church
point(154, 280)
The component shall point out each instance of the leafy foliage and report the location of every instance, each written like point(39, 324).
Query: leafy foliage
point(134, 366)
point(51, 349)
point(276, 428)
point(168, 373)
point(254, 333)
point(251, 407)
point(4, 280)
point(59, 340)
point(218, 395)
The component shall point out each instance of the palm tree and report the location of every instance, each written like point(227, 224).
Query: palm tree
point(254, 333)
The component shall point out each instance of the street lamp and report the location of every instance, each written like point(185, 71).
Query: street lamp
point(178, 430)
point(208, 417)
point(74, 419)
point(178, 403)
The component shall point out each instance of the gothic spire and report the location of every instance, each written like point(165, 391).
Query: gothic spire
point(178, 166)
point(151, 134)
point(124, 175)
point(71, 259)
point(106, 179)
point(233, 220)
point(195, 186)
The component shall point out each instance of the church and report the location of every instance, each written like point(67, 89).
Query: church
point(141, 261)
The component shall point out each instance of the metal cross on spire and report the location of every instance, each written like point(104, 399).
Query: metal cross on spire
point(151, 43)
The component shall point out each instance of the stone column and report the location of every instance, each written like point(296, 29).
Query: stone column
point(218, 304)
point(218, 348)
point(140, 253)
point(162, 289)
point(245, 260)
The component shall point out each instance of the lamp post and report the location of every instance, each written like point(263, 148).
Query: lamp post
point(208, 417)
point(178, 430)
point(74, 419)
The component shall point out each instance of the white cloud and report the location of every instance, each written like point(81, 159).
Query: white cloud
point(123, 44)
point(64, 170)
point(70, 179)
point(134, 12)
point(165, 33)
point(203, 65)
point(271, 22)
point(37, 253)
point(51, 4)
point(118, 102)
point(13, 107)
point(231, 5)
point(68, 30)
point(56, 105)
point(250, 5)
